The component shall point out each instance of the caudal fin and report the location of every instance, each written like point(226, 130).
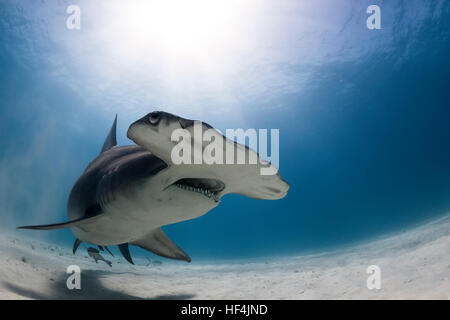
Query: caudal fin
point(125, 252)
point(76, 244)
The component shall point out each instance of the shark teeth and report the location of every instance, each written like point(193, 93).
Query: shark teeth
point(205, 192)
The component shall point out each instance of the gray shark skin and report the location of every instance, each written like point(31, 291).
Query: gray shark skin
point(127, 193)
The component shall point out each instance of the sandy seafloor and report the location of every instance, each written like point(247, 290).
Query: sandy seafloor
point(415, 264)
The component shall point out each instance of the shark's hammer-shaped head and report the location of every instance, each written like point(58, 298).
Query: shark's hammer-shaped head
point(154, 132)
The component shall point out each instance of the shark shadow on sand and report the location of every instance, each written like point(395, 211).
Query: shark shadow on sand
point(91, 289)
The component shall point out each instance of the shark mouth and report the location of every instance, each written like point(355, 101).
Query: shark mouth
point(208, 187)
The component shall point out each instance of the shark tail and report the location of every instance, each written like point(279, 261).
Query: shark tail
point(125, 252)
point(107, 249)
point(76, 245)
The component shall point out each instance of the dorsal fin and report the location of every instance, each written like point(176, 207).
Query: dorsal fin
point(110, 140)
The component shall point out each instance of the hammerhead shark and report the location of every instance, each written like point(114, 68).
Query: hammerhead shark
point(127, 193)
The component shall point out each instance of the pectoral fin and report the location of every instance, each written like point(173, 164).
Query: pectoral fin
point(157, 242)
point(69, 224)
point(92, 213)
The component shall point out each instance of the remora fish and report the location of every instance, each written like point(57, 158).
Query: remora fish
point(95, 254)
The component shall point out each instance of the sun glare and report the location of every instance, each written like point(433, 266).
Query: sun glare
point(188, 49)
point(175, 25)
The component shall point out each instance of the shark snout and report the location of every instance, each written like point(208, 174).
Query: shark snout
point(142, 130)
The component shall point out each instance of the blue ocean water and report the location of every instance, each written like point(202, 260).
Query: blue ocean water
point(363, 114)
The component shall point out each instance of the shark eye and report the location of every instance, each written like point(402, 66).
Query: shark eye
point(154, 117)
